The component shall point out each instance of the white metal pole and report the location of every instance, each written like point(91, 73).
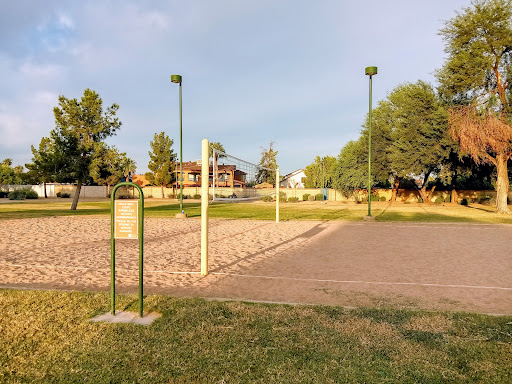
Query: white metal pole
point(214, 166)
point(205, 181)
point(277, 195)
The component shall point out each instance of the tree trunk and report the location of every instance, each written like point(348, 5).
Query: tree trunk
point(394, 191)
point(430, 194)
point(455, 196)
point(502, 184)
point(44, 185)
point(162, 186)
point(77, 195)
point(108, 190)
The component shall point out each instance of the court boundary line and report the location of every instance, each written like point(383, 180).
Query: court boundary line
point(364, 282)
point(435, 285)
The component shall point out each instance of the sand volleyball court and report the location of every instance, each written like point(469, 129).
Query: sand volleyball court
point(464, 267)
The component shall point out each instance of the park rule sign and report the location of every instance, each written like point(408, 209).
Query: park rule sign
point(126, 217)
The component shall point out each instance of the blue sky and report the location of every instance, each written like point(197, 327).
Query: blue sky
point(291, 72)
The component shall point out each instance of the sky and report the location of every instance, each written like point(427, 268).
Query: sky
point(289, 72)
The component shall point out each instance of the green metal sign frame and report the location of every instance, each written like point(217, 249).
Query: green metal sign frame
point(113, 247)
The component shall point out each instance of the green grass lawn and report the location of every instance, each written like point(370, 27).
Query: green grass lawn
point(474, 213)
point(47, 337)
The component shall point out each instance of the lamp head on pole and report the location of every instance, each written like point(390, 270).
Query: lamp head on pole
point(370, 71)
point(176, 78)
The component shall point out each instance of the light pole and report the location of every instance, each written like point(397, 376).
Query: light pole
point(370, 71)
point(177, 79)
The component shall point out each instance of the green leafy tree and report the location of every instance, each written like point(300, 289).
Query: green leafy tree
point(351, 168)
point(129, 167)
point(81, 127)
point(6, 173)
point(268, 162)
point(420, 140)
point(162, 161)
point(109, 166)
point(319, 174)
point(477, 80)
point(45, 162)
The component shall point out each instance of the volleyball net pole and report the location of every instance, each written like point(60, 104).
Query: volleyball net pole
point(246, 175)
point(205, 182)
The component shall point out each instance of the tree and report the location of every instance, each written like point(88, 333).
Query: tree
point(409, 137)
point(319, 174)
point(268, 162)
point(45, 161)
point(109, 166)
point(420, 141)
point(129, 167)
point(162, 161)
point(6, 172)
point(382, 142)
point(218, 147)
point(477, 80)
point(349, 171)
point(81, 127)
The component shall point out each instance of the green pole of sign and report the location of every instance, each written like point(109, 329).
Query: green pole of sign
point(140, 230)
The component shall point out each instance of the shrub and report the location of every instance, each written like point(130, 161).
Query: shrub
point(375, 197)
point(382, 198)
point(60, 193)
point(30, 194)
point(4, 194)
point(319, 197)
point(196, 196)
point(267, 198)
point(293, 199)
point(311, 198)
point(464, 202)
point(282, 197)
point(484, 199)
point(169, 196)
point(420, 200)
point(151, 196)
point(305, 197)
point(448, 199)
point(65, 195)
point(439, 200)
point(18, 194)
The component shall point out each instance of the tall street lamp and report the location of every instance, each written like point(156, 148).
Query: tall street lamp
point(177, 79)
point(370, 71)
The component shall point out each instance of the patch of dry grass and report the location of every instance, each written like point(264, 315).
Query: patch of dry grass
point(47, 337)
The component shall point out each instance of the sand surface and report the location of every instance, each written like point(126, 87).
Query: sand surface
point(456, 267)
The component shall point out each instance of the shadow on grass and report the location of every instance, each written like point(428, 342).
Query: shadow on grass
point(424, 217)
point(37, 213)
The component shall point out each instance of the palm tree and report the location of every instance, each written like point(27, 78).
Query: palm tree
point(217, 155)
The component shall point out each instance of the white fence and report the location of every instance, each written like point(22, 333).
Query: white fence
point(53, 189)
